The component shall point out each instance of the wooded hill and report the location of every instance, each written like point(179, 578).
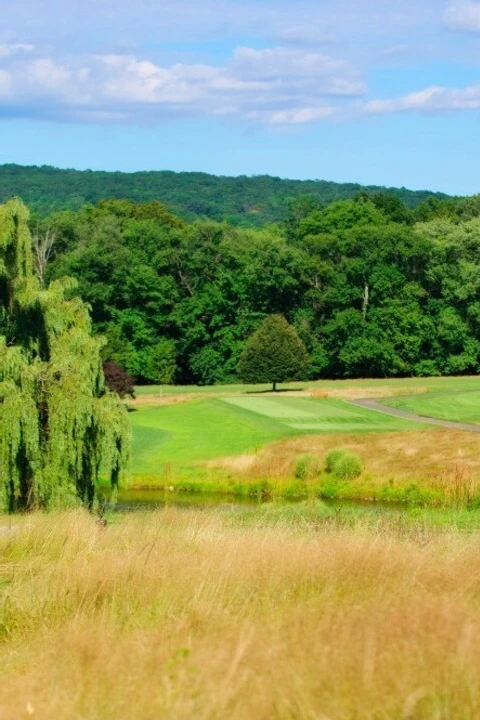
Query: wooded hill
point(240, 201)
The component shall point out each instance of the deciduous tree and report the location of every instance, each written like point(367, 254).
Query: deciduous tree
point(59, 425)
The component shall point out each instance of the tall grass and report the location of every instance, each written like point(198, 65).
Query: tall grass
point(201, 615)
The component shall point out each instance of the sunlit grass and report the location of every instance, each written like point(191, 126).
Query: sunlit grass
point(430, 384)
point(185, 614)
point(458, 406)
point(186, 434)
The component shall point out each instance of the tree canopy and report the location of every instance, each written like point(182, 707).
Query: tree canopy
point(241, 201)
point(274, 353)
point(59, 425)
point(372, 288)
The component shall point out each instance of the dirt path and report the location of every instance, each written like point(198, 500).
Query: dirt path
point(372, 404)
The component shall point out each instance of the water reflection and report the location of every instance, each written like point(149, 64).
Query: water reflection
point(129, 500)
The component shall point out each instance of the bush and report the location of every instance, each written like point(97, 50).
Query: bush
point(344, 465)
point(307, 467)
point(333, 457)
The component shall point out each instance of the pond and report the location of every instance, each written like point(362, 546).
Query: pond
point(129, 500)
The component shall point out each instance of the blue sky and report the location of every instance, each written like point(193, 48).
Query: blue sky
point(372, 91)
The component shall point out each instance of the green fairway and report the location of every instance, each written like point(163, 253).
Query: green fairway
point(456, 406)
point(197, 431)
point(398, 385)
point(326, 415)
point(180, 436)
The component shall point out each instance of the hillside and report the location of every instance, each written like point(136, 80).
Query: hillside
point(247, 201)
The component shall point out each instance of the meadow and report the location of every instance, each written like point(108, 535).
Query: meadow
point(267, 614)
point(301, 611)
point(245, 440)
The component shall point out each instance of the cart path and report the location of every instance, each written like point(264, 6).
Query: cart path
point(372, 404)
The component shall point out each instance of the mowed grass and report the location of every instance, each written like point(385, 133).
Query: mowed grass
point(457, 406)
point(397, 385)
point(175, 437)
point(197, 431)
point(208, 615)
point(325, 415)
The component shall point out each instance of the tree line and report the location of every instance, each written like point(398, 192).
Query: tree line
point(241, 201)
point(373, 288)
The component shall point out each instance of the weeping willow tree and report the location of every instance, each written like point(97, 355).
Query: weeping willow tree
point(59, 426)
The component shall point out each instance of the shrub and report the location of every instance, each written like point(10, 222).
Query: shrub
point(307, 467)
point(344, 465)
point(332, 459)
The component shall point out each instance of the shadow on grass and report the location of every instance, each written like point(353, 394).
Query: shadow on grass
point(270, 391)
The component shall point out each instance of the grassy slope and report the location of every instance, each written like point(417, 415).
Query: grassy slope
point(459, 407)
point(205, 429)
point(225, 440)
point(182, 614)
point(197, 431)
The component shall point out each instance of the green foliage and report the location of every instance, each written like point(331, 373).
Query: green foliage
point(307, 467)
point(240, 201)
point(274, 353)
point(332, 459)
point(343, 464)
point(58, 423)
point(370, 291)
point(158, 363)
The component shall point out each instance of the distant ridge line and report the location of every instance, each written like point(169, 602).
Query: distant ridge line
point(240, 200)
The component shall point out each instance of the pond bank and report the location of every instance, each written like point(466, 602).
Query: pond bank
point(458, 491)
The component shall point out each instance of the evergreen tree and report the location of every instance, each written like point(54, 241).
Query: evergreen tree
point(274, 353)
point(59, 425)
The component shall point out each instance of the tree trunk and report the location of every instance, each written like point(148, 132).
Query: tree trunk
point(275, 386)
point(366, 298)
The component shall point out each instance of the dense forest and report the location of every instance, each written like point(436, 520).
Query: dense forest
point(372, 287)
point(241, 201)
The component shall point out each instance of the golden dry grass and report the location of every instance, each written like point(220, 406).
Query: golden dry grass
point(428, 455)
point(370, 391)
point(156, 400)
point(192, 615)
point(343, 393)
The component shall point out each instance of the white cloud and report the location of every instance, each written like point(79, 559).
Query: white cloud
point(282, 63)
point(7, 49)
point(294, 116)
point(431, 99)
point(463, 16)
point(277, 86)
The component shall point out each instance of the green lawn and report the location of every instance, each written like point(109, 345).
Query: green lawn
point(430, 384)
point(456, 406)
point(197, 431)
point(178, 437)
point(328, 415)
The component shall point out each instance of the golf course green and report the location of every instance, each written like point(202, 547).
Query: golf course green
point(183, 435)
